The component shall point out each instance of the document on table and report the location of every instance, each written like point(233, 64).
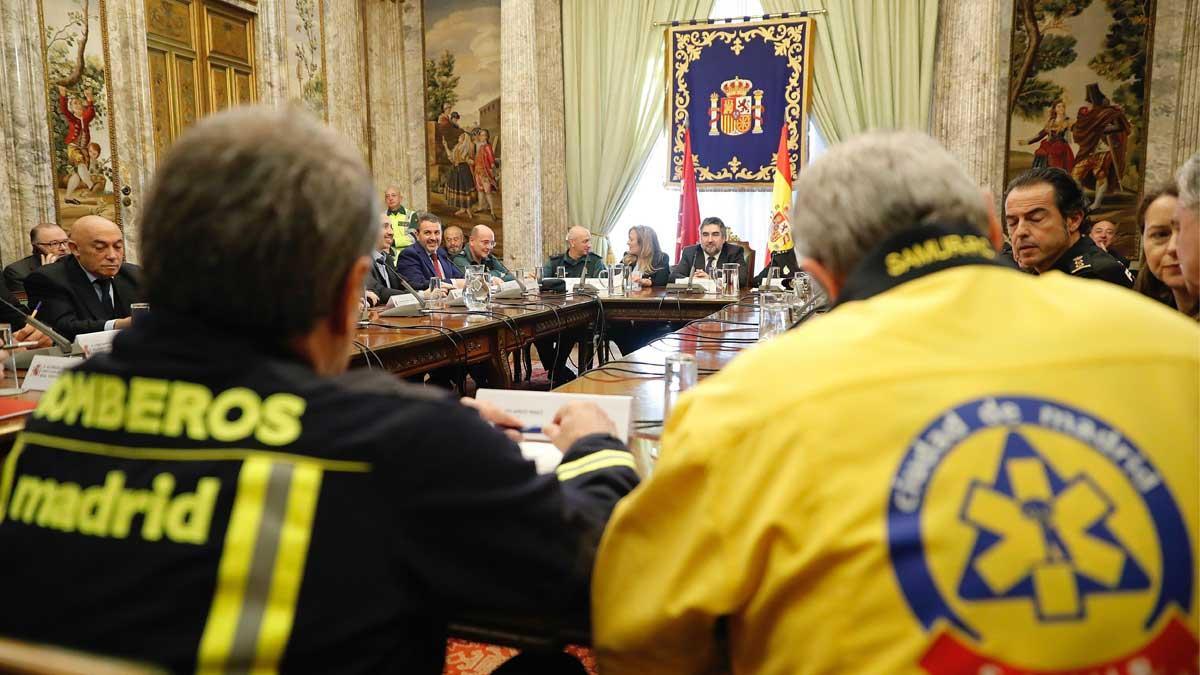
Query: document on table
point(536, 409)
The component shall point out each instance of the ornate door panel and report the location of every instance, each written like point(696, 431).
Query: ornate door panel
point(201, 59)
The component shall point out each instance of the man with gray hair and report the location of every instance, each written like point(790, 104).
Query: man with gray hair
point(1187, 213)
point(49, 242)
point(240, 502)
point(929, 478)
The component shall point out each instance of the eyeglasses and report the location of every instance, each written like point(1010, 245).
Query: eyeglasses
point(52, 244)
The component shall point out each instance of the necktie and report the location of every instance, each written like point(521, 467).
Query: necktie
point(437, 267)
point(104, 285)
point(709, 268)
point(379, 265)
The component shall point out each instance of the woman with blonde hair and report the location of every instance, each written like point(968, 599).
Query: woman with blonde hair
point(644, 256)
point(1160, 276)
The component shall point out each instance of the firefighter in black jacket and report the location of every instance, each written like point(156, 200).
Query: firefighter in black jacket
point(217, 494)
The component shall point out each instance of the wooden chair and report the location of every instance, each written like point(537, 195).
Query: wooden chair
point(749, 258)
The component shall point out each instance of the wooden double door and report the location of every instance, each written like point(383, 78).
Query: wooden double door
point(201, 57)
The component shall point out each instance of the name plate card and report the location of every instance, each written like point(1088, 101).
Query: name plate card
point(96, 343)
point(44, 370)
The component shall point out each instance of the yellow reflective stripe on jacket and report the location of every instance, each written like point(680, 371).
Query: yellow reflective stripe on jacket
point(289, 567)
point(602, 459)
point(266, 544)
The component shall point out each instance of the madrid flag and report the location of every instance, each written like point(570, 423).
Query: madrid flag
point(781, 199)
point(687, 231)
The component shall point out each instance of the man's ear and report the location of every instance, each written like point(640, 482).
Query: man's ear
point(1074, 222)
point(74, 248)
point(345, 312)
point(831, 283)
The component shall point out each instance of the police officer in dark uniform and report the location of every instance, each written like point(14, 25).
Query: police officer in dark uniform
point(1086, 260)
point(785, 262)
point(217, 494)
point(577, 257)
point(1046, 214)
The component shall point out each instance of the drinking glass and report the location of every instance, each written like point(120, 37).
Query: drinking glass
point(771, 279)
point(802, 287)
point(679, 376)
point(773, 314)
point(138, 309)
point(436, 295)
point(728, 282)
point(560, 272)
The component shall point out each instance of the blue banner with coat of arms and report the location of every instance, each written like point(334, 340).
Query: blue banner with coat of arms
point(736, 85)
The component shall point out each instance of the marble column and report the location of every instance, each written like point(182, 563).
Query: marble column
point(1173, 132)
point(346, 72)
point(126, 26)
point(412, 123)
point(970, 91)
point(26, 179)
point(395, 101)
point(271, 51)
point(534, 189)
point(552, 108)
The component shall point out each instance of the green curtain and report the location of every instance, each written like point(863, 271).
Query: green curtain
point(615, 87)
point(873, 65)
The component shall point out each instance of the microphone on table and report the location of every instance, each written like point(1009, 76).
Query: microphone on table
point(408, 287)
point(63, 344)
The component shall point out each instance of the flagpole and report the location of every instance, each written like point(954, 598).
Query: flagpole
point(732, 19)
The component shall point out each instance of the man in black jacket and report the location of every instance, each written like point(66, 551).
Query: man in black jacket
point(49, 243)
point(707, 257)
point(1045, 213)
point(237, 499)
point(91, 289)
point(383, 281)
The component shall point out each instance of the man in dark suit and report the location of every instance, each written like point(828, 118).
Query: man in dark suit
point(383, 281)
point(418, 264)
point(49, 244)
point(712, 252)
point(90, 290)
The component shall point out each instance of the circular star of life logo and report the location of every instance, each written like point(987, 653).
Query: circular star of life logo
point(1026, 534)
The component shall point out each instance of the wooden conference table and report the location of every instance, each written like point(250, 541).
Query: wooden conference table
point(412, 345)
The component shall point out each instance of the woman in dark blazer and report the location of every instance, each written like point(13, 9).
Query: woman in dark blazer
point(645, 256)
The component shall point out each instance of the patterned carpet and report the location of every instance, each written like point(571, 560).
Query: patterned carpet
point(475, 658)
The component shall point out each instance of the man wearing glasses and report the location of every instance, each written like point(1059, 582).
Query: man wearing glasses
point(49, 244)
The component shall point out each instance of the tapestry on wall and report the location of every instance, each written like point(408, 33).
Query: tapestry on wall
point(1078, 100)
point(462, 112)
point(80, 109)
point(306, 56)
point(736, 86)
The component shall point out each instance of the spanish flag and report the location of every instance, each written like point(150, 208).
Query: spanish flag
point(687, 229)
point(781, 199)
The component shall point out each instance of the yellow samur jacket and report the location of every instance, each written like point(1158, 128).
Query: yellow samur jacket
point(960, 469)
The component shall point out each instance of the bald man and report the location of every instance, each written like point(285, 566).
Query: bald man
point(91, 289)
point(479, 252)
point(577, 256)
point(1104, 233)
